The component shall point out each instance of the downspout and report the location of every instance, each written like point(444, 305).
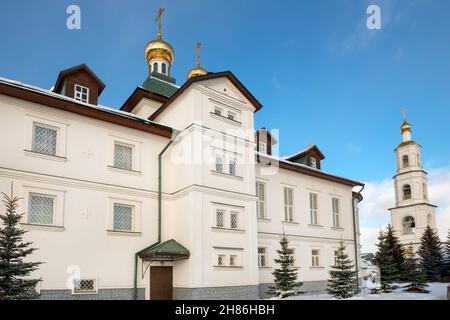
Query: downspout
point(356, 236)
point(136, 255)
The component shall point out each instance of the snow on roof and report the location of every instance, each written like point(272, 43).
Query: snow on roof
point(60, 96)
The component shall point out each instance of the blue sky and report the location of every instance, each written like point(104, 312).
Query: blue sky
point(322, 76)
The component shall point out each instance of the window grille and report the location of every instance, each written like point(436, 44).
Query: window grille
point(233, 261)
point(41, 209)
point(81, 93)
point(234, 220)
point(123, 156)
point(44, 140)
point(233, 167)
point(262, 257)
point(84, 286)
point(220, 218)
point(315, 258)
point(220, 260)
point(123, 217)
point(219, 164)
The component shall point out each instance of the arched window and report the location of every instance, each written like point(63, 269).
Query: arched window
point(155, 67)
point(405, 161)
point(409, 225)
point(425, 193)
point(406, 192)
point(163, 68)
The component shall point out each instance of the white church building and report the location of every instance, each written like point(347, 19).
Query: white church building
point(176, 195)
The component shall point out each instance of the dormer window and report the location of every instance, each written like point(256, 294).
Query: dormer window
point(313, 162)
point(81, 93)
point(262, 147)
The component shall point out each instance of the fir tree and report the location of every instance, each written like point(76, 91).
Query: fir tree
point(385, 261)
point(285, 283)
point(446, 267)
point(431, 255)
point(398, 253)
point(414, 275)
point(12, 252)
point(342, 276)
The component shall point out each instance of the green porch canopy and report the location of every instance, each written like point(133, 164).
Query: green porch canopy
point(167, 251)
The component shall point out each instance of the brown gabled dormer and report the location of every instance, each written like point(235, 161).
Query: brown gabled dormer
point(311, 157)
point(80, 83)
point(264, 141)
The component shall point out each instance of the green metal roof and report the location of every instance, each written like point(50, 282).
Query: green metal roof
point(161, 84)
point(167, 251)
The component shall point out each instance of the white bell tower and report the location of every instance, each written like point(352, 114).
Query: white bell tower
point(412, 212)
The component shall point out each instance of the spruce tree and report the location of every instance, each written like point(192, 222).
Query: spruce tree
point(285, 282)
point(446, 267)
point(431, 255)
point(13, 250)
point(398, 253)
point(342, 276)
point(385, 261)
point(414, 275)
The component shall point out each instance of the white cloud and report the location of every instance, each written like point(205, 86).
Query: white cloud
point(379, 197)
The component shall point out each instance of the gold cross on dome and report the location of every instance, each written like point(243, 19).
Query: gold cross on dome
point(197, 48)
point(159, 19)
point(404, 111)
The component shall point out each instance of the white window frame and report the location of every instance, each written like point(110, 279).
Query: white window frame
point(288, 202)
point(262, 147)
point(336, 212)
point(78, 94)
point(221, 258)
point(292, 254)
point(236, 214)
point(221, 213)
point(231, 116)
point(314, 210)
point(313, 162)
point(133, 219)
point(125, 145)
point(232, 167)
point(262, 255)
point(233, 260)
point(218, 162)
point(48, 127)
point(136, 215)
point(315, 258)
point(261, 202)
point(218, 111)
point(41, 195)
point(129, 141)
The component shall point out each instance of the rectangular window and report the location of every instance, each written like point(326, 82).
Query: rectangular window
point(219, 164)
point(44, 139)
point(234, 220)
point(123, 156)
point(315, 262)
point(231, 115)
point(81, 93)
point(220, 218)
point(233, 261)
point(314, 214)
point(336, 213)
point(288, 204)
point(221, 260)
point(41, 209)
point(313, 162)
point(262, 257)
point(291, 253)
point(336, 255)
point(261, 202)
point(262, 147)
point(233, 167)
point(218, 111)
point(123, 217)
point(84, 286)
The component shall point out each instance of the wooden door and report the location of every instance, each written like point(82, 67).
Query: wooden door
point(161, 282)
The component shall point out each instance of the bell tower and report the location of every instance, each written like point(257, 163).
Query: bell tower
point(412, 212)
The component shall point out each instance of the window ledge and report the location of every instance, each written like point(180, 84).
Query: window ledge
point(317, 268)
point(227, 229)
point(225, 119)
point(318, 226)
point(337, 228)
point(229, 267)
point(44, 156)
point(264, 219)
point(290, 222)
point(265, 267)
point(227, 175)
point(123, 233)
point(128, 171)
point(42, 227)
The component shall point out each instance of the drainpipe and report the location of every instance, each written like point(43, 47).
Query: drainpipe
point(175, 133)
point(356, 236)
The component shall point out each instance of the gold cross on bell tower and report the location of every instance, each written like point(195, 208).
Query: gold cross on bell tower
point(197, 49)
point(404, 111)
point(159, 19)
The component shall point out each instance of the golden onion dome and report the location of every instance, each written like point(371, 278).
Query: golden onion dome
point(159, 49)
point(197, 71)
point(405, 127)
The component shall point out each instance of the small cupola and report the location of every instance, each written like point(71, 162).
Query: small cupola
point(197, 70)
point(79, 83)
point(264, 141)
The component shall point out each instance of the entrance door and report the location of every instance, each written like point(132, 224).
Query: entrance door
point(161, 283)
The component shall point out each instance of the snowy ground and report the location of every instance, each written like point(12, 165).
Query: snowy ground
point(438, 291)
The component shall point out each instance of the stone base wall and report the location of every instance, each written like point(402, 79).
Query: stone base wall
point(308, 287)
point(103, 294)
point(217, 293)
